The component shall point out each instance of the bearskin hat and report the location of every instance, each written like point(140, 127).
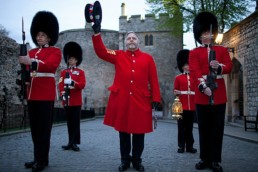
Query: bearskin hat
point(182, 59)
point(46, 22)
point(202, 23)
point(93, 12)
point(72, 49)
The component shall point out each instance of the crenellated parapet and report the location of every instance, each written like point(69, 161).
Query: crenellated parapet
point(149, 23)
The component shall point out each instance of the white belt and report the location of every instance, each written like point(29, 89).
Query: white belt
point(188, 92)
point(218, 76)
point(36, 74)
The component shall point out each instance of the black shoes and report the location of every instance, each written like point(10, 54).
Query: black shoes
point(32, 163)
point(123, 166)
point(138, 166)
point(180, 150)
point(74, 147)
point(29, 164)
point(67, 147)
point(35, 166)
point(38, 167)
point(216, 167)
point(191, 150)
point(201, 165)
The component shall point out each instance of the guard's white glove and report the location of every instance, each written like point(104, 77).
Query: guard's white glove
point(63, 97)
point(68, 81)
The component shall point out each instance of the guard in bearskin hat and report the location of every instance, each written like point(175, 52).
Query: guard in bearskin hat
point(184, 88)
point(71, 83)
point(42, 62)
point(210, 115)
point(134, 92)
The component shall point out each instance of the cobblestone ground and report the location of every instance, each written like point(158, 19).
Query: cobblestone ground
point(100, 151)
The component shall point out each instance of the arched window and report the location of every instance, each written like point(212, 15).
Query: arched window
point(146, 40)
point(149, 40)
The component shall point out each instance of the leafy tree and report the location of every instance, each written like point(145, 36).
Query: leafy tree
point(3, 31)
point(183, 12)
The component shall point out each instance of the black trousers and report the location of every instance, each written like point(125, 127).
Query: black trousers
point(41, 121)
point(73, 116)
point(211, 129)
point(125, 147)
point(185, 130)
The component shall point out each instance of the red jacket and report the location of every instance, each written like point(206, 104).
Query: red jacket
point(185, 84)
point(42, 85)
point(199, 68)
point(78, 76)
point(135, 86)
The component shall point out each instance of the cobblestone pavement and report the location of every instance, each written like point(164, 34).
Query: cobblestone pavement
point(100, 151)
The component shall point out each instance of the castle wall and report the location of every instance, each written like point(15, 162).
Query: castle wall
point(244, 39)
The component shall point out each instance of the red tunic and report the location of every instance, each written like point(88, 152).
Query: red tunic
point(185, 84)
point(199, 67)
point(78, 76)
point(44, 87)
point(135, 86)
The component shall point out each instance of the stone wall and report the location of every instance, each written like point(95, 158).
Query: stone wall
point(9, 52)
point(243, 37)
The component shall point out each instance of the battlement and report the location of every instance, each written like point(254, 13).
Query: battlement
point(150, 22)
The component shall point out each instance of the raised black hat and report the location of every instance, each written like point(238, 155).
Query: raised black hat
point(202, 23)
point(72, 49)
point(45, 21)
point(93, 12)
point(182, 59)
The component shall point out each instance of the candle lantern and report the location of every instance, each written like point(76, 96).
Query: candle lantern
point(177, 109)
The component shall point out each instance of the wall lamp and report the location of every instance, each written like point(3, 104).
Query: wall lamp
point(219, 39)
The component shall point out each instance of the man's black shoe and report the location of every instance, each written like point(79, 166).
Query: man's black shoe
point(75, 147)
point(38, 167)
point(29, 164)
point(181, 150)
point(123, 166)
point(216, 167)
point(67, 147)
point(191, 150)
point(201, 165)
point(138, 166)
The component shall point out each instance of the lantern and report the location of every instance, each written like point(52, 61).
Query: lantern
point(177, 109)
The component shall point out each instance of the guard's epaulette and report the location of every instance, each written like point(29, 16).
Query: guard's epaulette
point(111, 52)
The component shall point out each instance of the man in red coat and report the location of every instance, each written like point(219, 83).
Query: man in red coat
point(71, 83)
point(134, 89)
point(42, 62)
point(210, 110)
point(184, 88)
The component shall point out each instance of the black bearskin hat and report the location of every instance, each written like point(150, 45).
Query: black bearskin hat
point(93, 12)
point(202, 23)
point(46, 22)
point(72, 49)
point(182, 59)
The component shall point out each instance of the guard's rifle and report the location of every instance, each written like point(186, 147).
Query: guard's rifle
point(25, 77)
point(211, 77)
point(66, 88)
